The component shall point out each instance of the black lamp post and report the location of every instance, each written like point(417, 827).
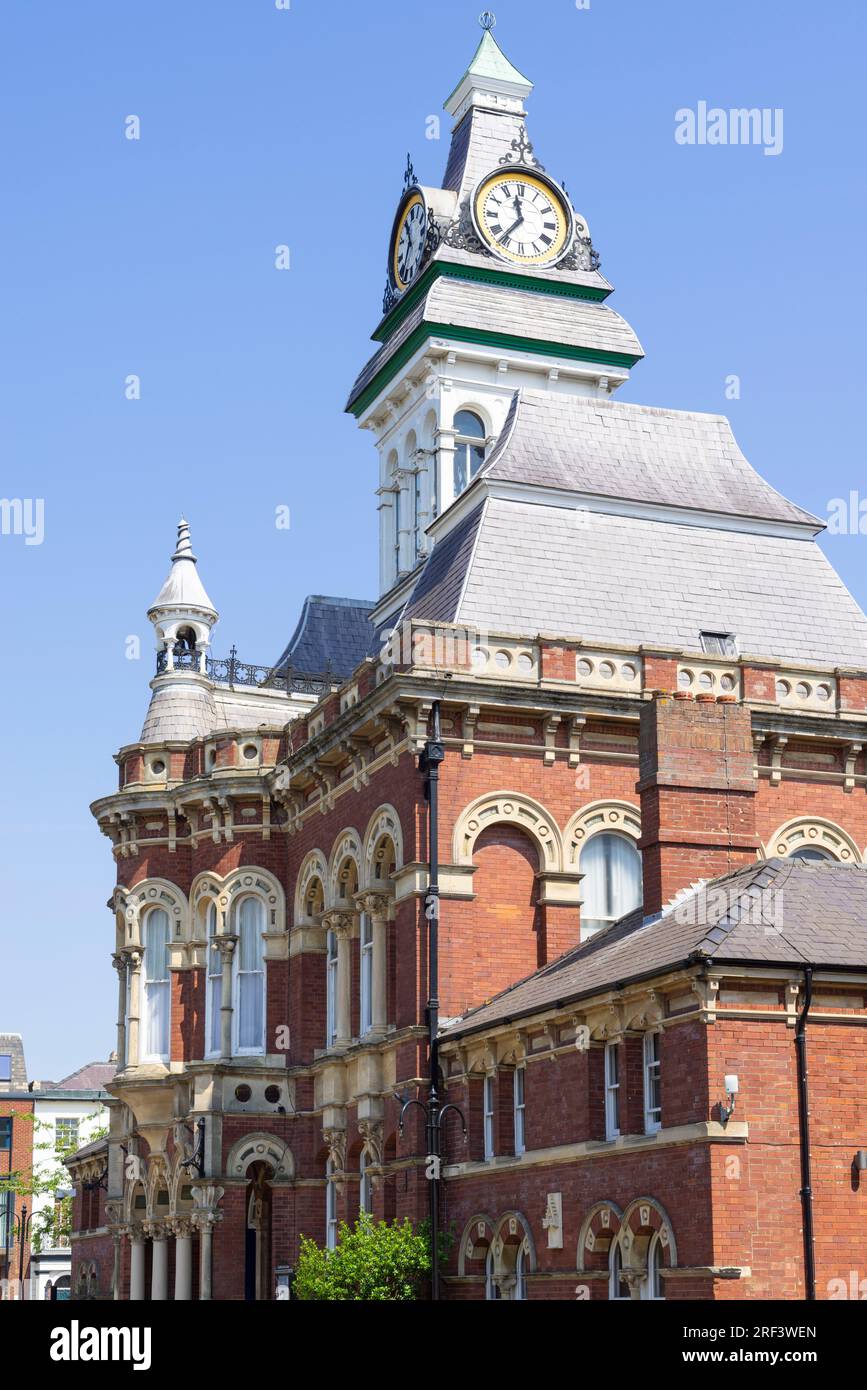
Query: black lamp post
point(22, 1225)
point(434, 1110)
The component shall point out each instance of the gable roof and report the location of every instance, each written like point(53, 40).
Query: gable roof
point(776, 912)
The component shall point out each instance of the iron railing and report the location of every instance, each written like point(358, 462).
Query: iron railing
point(230, 671)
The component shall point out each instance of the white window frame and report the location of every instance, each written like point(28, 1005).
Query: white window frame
point(612, 1090)
point(615, 1266)
point(330, 988)
point(488, 1108)
point(330, 1207)
point(492, 1292)
point(259, 1049)
point(519, 1092)
point(466, 443)
point(651, 1289)
point(605, 919)
point(213, 985)
point(164, 984)
point(365, 1193)
point(652, 1070)
point(521, 1276)
point(365, 973)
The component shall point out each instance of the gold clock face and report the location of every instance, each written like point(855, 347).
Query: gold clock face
point(408, 241)
point(522, 217)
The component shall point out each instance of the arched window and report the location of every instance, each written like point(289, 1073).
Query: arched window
point(365, 932)
point(364, 1188)
point(215, 987)
point(157, 989)
point(469, 448)
point(330, 988)
point(521, 1277)
point(492, 1288)
point(617, 1288)
point(812, 855)
point(330, 1207)
point(611, 884)
point(249, 991)
point(653, 1283)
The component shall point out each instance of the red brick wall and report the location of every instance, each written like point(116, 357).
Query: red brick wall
point(18, 1160)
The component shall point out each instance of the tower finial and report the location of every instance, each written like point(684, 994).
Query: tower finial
point(488, 20)
point(184, 547)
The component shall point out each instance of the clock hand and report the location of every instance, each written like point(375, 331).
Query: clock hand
point(508, 233)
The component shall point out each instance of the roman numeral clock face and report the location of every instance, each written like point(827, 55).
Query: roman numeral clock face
point(408, 241)
point(522, 218)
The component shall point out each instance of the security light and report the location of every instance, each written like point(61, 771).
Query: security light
point(727, 1106)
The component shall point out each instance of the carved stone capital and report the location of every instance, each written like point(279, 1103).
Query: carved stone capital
point(225, 943)
point(336, 1141)
point(376, 905)
point(371, 1134)
point(182, 1227)
point(341, 923)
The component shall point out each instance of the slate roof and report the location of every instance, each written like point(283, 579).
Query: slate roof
point(622, 579)
point(334, 633)
point(91, 1077)
point(621, 563)
point(775, 912)
point(467, 304)
point(635, 452)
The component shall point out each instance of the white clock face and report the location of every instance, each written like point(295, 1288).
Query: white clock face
point(522, 218)
point(409, 242)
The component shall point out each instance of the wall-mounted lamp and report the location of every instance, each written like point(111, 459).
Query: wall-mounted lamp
point(727, 1106)
point(861, 1160)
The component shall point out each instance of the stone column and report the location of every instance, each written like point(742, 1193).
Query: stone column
point(183, 1231)
point(226, 946)
point(113, 1211)
point(205, 1218)
point(376, 906)
point(160, 1271)
point(137, 1269)
point(119, 963)
point(341, 924)
point(134, 959)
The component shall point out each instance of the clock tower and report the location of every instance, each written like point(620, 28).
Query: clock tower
point(493, 285)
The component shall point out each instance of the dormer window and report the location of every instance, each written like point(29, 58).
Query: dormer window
point(469, 448)
point(719, 643)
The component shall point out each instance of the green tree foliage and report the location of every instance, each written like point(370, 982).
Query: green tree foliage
point(374, 1261)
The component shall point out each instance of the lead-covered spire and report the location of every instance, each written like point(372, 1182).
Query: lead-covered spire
point(490, 79)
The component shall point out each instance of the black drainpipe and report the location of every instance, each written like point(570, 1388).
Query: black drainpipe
point(804, 1127)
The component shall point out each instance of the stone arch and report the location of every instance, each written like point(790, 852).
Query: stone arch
point(410, 444)
point(643, 1219)
point(511, 808)
point(134, 1188)
point(251, 880)
point(475, 407)
point(812, 832)
point(599, 1229)
point(383, 826)
point(344, 869)
point(478, 1235)
point(310, 888)
point(204, 890)
point(618, 817)
point(261, 1147)
point(154, 892)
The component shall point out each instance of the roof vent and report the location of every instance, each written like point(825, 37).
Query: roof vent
point(719, 643)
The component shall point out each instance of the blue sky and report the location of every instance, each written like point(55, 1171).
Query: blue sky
point(260, 127)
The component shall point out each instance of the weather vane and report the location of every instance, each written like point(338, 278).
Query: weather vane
point(487, 19)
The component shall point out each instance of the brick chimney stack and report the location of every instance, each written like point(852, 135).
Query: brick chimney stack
point(697, 793)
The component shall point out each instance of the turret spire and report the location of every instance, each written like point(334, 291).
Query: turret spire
point(490, 79)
